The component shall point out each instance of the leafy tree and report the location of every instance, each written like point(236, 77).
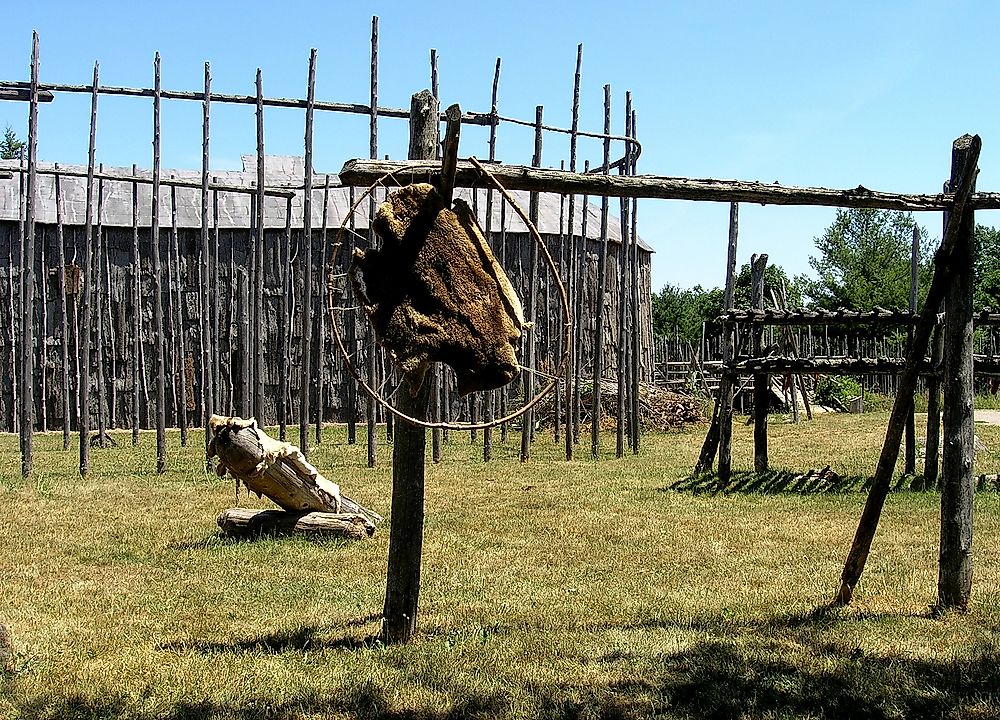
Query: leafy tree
point(864, 260)
point(10, 147)
point(684, 310)
point(776, 279)
point(987, 268)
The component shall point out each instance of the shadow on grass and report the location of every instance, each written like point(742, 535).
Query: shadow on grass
point(774, 482)
point(798, 672)
point(218, 539)
point(297, 640)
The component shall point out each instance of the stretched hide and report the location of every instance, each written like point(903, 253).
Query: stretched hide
point(435, 292)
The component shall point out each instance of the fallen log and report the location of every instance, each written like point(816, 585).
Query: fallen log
point(276, 469)
point(245, 522)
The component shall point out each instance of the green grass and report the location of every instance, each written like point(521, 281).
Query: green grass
point(610, 588)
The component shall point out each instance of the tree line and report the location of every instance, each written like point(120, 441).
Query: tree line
point(862, 261)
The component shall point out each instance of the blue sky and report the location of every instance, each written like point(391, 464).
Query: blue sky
point(803, 93)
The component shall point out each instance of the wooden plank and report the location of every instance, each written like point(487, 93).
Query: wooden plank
point(518, 177)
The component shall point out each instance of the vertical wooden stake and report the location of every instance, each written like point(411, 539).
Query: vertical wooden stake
point(63, 313)
point(726, 386)
point(958, 483)
point(910, 451)
point(208, 391)
point(406, 528)
point(602, 274)
point(259, 326)
point(88, 255)
point(531, 311)
point(307, 283)
point(373, 153)
point(28, 279)
point(136, 309)
point(573, 281)
point(965, 156)
point(761, 381)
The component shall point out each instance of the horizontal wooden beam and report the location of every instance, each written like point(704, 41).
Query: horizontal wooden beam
point(363, 173)
point(23, 94)
point(168, 181)
point(472, 118)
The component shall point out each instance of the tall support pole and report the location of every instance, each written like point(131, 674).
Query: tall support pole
point(284, 313)
point(351, 330)
point(136, 309)
point(97, 292)
point(623, 293)
point(436, 375)
point(28, 278)
point(63, 313)
point(726, 386)
point(965, 156)
point(373, 153)
point(932, 454)
point(259, 326)
point(573, 281)
point(159, 348)
point(406, 523)
point(208, 390)
point(531, 311)
point(636, 323)
point(958, 483)
point(88, 254)
point(321, 318)
point(602, 274)
point(180, 341)
point(910, 449)
point(491, 397)
point(761, 381)
point(307, 248)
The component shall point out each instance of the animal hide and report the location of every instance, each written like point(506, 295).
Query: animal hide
point(435, 292)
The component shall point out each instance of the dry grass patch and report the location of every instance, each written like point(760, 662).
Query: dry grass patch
point(549, 590)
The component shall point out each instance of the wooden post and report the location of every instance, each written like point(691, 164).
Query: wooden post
point(97, 293)
point(284, 313)
point(28, 279)
point(623, 292)
point(602, 274)
point(958, 483)
point(636, 325)
point(136, 309)
point(208, 391)
point(307, 284)
point(573, 281)
point(351, 330)
point(531, 309)
point(373, 153)
point(154, 241)
point(726, 385)
point(761, 381)
point(582, 274)
point(83, 384)
point(406, 524)
point(491, 397)
point(63, 313)
point(321, 318)
point(967, 149)
point(180, 352)
point(910, 451)
point(259, 326)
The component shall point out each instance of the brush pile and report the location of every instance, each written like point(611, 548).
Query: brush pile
point(659, 409)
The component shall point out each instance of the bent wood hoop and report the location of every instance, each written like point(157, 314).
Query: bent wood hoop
point(563, 300)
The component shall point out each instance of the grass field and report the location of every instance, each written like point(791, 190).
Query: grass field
point(610, 588)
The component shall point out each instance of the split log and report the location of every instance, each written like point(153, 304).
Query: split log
point(245, 522)
point(276, 469)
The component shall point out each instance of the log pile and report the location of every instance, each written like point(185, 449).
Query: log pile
point(311, 504)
